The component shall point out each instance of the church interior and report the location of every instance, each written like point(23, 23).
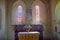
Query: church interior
point(29, 19)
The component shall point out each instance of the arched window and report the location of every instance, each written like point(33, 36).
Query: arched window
point(38, 12)
point(19, 14)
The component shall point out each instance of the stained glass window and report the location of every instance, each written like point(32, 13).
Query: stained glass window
point(19, 13)
point(37, 11)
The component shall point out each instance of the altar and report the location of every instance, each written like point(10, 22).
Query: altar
point(28, 35)
point(35, 28)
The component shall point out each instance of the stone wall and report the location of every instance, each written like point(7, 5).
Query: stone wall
point(48, 22)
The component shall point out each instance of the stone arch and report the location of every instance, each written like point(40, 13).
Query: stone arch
point(43, 16)
point(15, 11)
